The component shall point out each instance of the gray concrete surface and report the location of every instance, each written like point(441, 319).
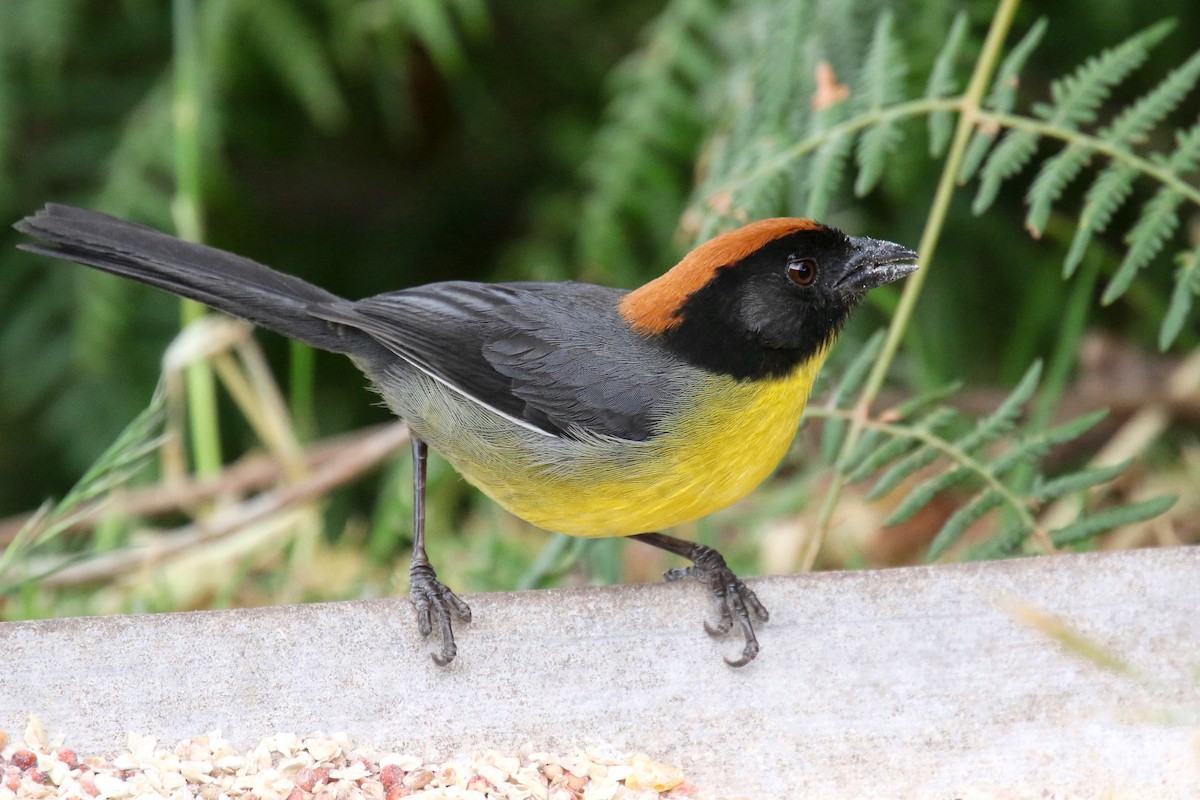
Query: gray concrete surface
point(903, 683)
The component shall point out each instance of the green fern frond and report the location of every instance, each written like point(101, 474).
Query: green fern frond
point(958, 522)
point(941, 83)
point(1129, 126)
point(883, 78)
point(1052, 179)
point(1024, 450)
point(825, 171)
point(866, 444)
point(1090, 525)
point(1004, 418)
point(638, 164)
point(934, 421)
point(1187, 285)
point(1108, 192)
point(1151, 108)
point(1186, 157)
point(1007, 159)
point(1036, 445)
point(902, 470)
point(977, 150)
point(1001, 461)
point(1077, 96)
point(868, 461)
point(1156, 223)
point(873, 148)
point(1075, 100)
point(1045, 491)
point(871, 439)
point(852, 381)
point(1002, 97)
point(920, 495)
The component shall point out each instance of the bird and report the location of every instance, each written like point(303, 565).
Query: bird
point(585, 410)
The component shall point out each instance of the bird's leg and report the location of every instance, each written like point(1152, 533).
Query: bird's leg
point(735, 601)
point(429, 595)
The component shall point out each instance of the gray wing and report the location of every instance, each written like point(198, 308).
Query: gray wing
point(554, 355)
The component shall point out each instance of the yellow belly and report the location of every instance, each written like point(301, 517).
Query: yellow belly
point(720, 446)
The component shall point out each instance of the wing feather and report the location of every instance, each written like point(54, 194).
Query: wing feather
point(556, 356)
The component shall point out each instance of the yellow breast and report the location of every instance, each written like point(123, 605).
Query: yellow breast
point(716, 448)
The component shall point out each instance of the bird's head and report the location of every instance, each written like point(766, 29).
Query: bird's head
point(759, 300)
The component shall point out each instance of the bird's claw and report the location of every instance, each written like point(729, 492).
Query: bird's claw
point(433, 599)
point(735, 601)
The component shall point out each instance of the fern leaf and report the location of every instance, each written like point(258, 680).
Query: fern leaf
point(1072, 428)
point(651, 129)
point(1044, 491)
point(914, 404)
point(1151, 108)
point(1006, 160)
point(958, 522)
point(869, 462)
point(896, 474)
point(1002, 97)
point(1077, 96)
point(1088, 526)
point(865, 445)
point(1054, 177)
point(1107, 193)
point(1186, 157)
point(825, 172)
point(856, 374)
point(872, 438)
point(1004, 87)
point(977, 150)
point(1129, 126)
point(897, 447)
point(941, 84)
point(1158, 220)
point(874, 146)
point(921, 494)
point(1075, 100)
point(852, 380)
point(1003, 542)
point(882, 80)
point(1028, 449)
point(1187, 284)
point(1002, 420)
point(1031, 448)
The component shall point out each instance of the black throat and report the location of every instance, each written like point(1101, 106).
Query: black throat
point(712, 335)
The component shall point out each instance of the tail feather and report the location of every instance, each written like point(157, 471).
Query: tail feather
point(222, 280)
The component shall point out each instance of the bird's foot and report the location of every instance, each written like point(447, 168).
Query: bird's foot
point(434, 601)
point(735, 601)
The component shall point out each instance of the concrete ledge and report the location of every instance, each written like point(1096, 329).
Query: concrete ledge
point(902, 683)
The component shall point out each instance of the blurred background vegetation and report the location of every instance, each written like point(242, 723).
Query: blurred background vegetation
point(368, 145)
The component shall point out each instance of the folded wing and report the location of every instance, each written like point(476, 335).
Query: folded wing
point(556, 356)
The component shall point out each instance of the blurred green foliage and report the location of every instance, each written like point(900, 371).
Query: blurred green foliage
point(363, 145)
point(368, 145)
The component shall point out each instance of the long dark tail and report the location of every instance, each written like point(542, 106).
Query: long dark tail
point(230, 283)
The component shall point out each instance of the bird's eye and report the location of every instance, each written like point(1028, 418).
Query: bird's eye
point(802, 271)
